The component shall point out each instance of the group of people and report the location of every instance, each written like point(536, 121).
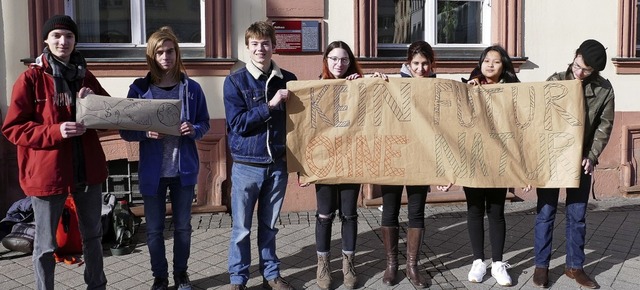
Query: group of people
point(58, 156)
point(253, 98)
point(495, 67)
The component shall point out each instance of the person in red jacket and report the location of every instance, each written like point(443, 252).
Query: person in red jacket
point(58, 156)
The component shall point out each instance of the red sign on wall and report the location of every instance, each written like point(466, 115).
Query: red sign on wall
point(297, 36)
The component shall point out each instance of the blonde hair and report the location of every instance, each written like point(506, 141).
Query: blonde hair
point(155, 41)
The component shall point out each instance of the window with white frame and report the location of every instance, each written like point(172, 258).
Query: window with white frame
point(456, 28)
point(120, 28)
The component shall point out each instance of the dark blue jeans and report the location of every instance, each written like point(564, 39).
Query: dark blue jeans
point(155, 210)
point(344, 199)
point(575, 212)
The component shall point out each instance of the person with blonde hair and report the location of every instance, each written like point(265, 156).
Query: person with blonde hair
point(167, 161)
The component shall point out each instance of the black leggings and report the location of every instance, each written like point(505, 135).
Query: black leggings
point(492, 201)
point(391, 202)
point(344, 199)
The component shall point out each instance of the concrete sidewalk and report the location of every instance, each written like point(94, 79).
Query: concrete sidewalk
point(613, 252)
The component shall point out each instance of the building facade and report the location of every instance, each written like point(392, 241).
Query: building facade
point(541, 36)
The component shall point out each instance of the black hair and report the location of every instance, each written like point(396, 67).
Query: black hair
point(508, 74)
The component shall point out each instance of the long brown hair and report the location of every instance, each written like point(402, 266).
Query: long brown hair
point(354, 66)
point(155, 41)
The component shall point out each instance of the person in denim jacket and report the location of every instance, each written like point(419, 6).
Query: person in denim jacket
point(254, 101)
point(169, 162)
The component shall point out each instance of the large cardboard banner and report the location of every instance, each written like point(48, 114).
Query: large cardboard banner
point(435, 131)
point(101, 112)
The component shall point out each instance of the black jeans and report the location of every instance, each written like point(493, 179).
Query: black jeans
point(491, 201)
point(391, 202)
point(344, 199)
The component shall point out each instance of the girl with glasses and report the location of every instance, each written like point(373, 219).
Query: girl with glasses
point(338, 62)
point(590, 58)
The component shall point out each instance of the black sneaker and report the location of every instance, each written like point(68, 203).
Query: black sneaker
point(160, 284)
point(182, 280)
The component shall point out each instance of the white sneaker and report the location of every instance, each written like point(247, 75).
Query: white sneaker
point(499, 272)
point(478, 269)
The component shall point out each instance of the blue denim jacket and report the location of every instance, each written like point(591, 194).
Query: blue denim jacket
point(194, 110)
point(256, 134)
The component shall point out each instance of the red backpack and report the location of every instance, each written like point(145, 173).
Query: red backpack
point(68, 233)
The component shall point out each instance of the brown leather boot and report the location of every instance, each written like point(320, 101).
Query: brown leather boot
point(390, 240)
point(323, 273)
point(581, 277)
point(414, 241)
point(541, 277)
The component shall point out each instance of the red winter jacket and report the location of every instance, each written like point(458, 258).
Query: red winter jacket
point(33, 124)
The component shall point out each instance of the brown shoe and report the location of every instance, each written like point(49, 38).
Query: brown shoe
point(541, 277)
point(276, 284)
point(581, 277)
point(237, 287)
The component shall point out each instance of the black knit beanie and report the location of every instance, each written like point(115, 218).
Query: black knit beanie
point(594, 54)
point(59, 22)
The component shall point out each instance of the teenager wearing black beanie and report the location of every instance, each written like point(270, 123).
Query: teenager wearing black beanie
point(590, 58)
point(58, 158)
point(59, 22)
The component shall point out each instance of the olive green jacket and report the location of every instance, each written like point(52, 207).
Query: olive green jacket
point(599, 102)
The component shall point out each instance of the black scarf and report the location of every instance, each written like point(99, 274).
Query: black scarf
point(67, 78)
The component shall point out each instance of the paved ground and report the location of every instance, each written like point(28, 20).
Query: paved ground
point(613, 252)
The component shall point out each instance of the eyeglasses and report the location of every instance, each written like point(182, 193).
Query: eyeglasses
point(585, 71)
point(344, 61)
